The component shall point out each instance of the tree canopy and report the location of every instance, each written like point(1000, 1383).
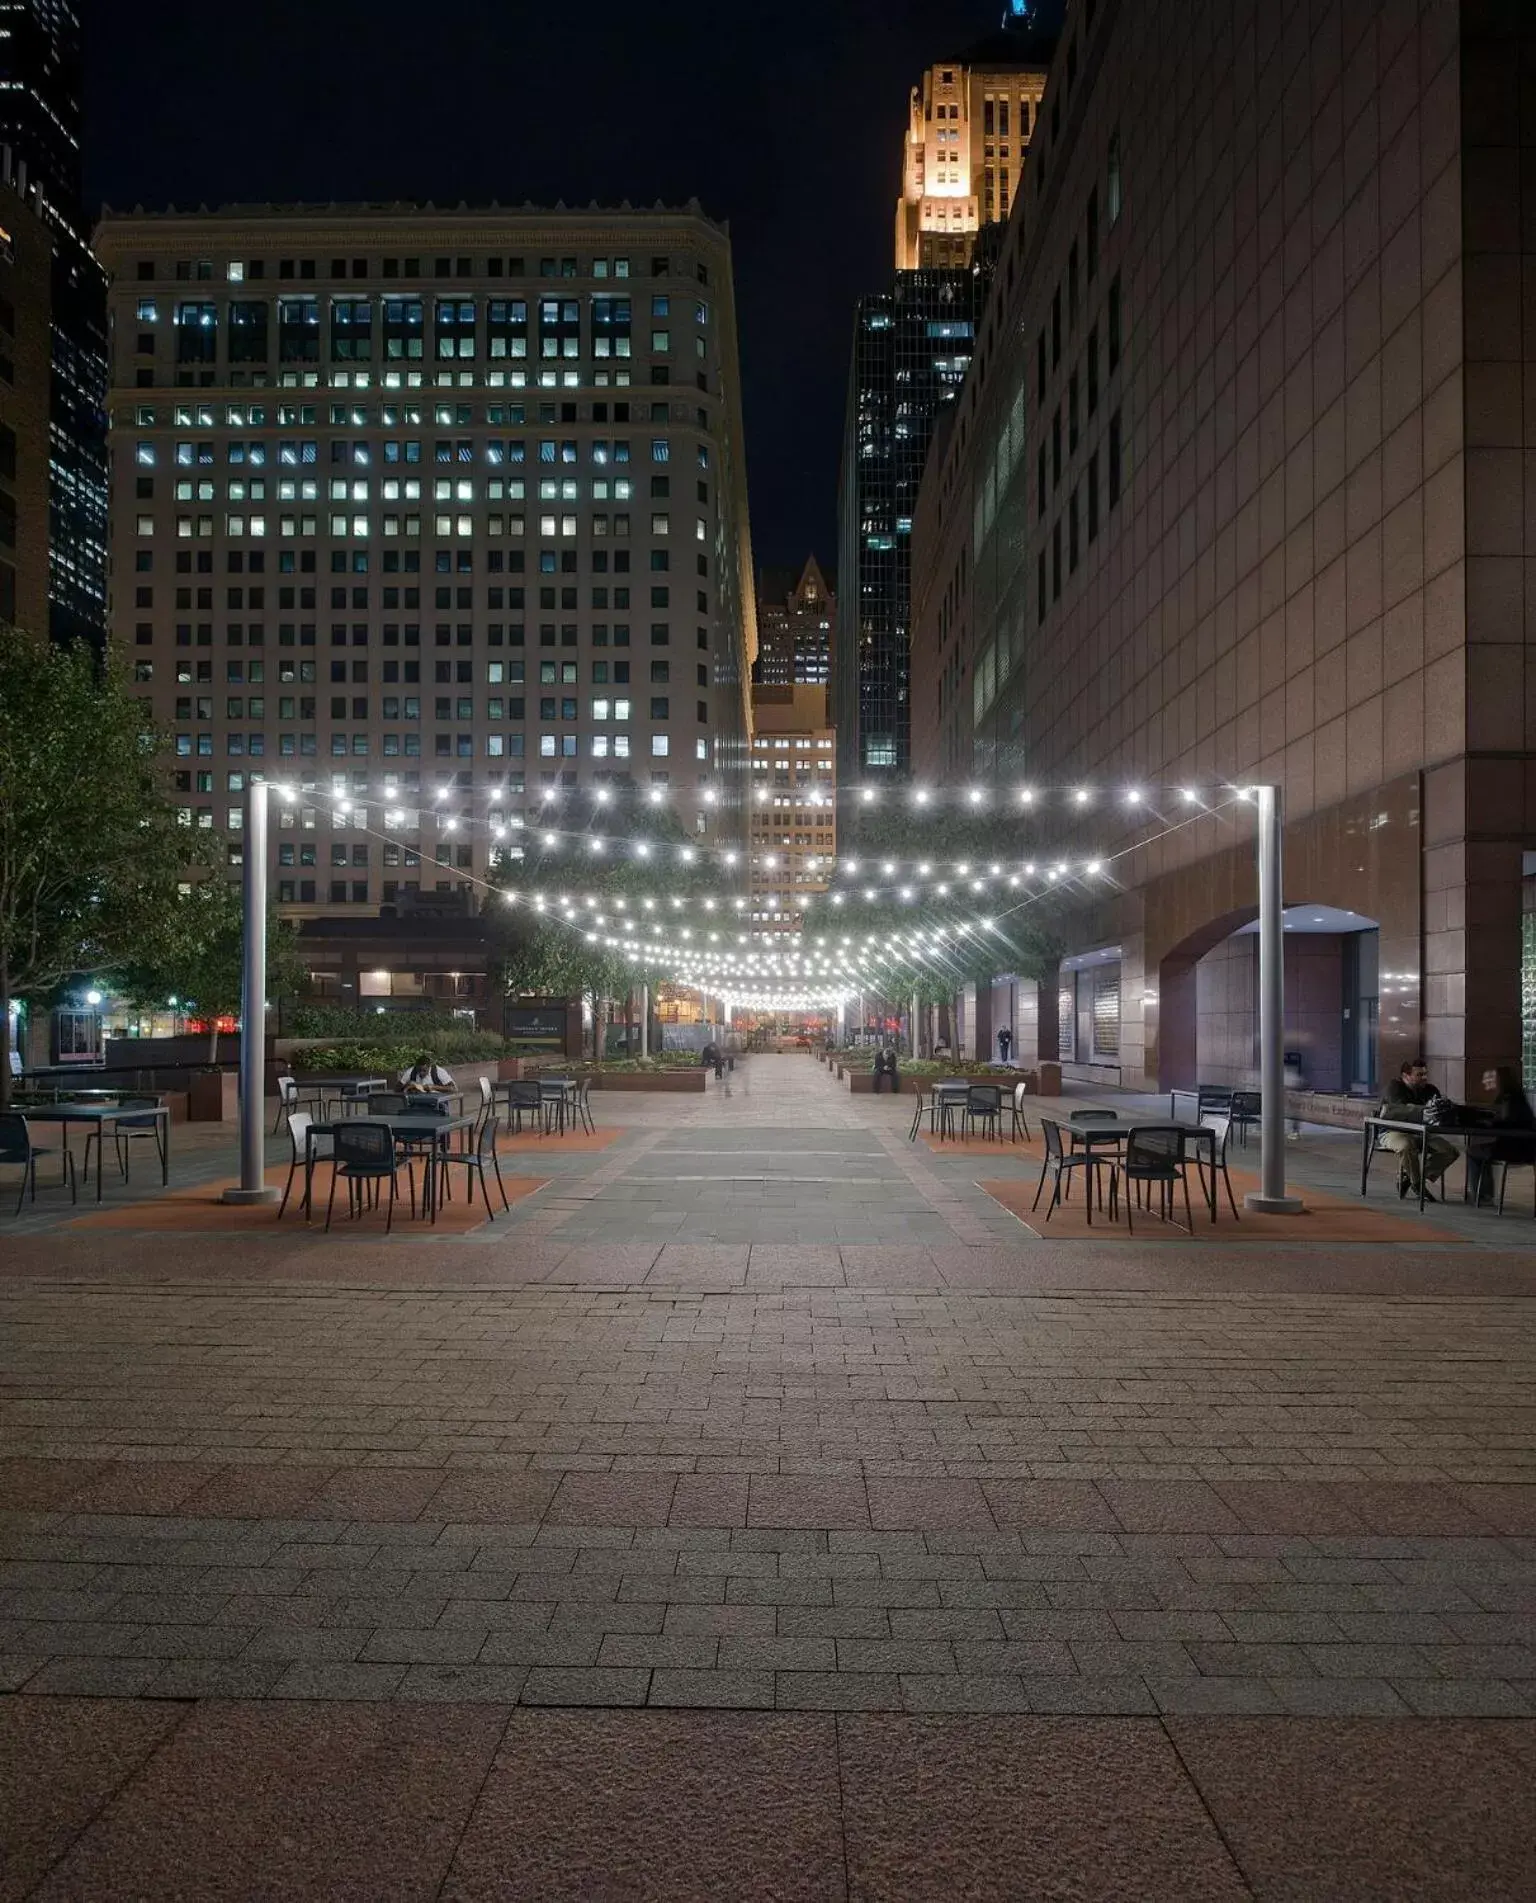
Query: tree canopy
point(594, 854)
point(90, 852)
point(197, 955)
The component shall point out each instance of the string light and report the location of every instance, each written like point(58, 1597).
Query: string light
point(345, 805)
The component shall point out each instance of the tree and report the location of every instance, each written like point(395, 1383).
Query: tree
point(90, 851)
point(197, 955)
point(595, 853)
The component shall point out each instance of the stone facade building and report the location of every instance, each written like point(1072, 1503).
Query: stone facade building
point(1240, 488)
point(794, 806)
point(794, 627)
point(439, 512)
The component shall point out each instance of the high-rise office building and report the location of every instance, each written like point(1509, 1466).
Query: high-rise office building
point(40, 115)
point(794, 627)
point(794, 805)
point(26, 268)
point(1159, 550)
point(443, 511)
point(912, 346)
point(41, 81)
point(968, 128)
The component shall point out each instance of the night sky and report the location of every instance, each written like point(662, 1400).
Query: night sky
point(785, 121)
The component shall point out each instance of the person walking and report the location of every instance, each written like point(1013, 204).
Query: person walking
point(1511, 1134)
point(1004, 1044)
point(1406, 1100)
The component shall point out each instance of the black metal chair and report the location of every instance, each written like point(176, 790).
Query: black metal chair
point(1246, 1106)
point(558, 1102)
point(324, 1151)
point(1220, 1124)
point(1529, 1163)
point(287, 1100)
point(1153, 1153)
point(365, 1154)
point(16, 1146)
point(1020, 1121)
point(983, 1105)
point(473, 1161)
point(1059, 1163)
point(1093, 1116)
point(524, 1098)
point(947, 1099)
point(584, 1106)
point(487, 1104)
point(388, 1103)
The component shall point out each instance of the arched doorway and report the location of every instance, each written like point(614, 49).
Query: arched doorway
point(1209, 1000)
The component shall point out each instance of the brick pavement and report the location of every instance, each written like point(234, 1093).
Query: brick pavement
point(762, 1430)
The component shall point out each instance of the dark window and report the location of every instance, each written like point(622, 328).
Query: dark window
point(248, 331)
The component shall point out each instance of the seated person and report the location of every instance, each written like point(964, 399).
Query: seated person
point(425, 1077)
point(1405, 1100)
point(885, 1071)
point(1511, 1132)
point(711, 1055)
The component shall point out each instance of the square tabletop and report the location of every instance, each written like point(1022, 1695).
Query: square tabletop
point(425, 1124)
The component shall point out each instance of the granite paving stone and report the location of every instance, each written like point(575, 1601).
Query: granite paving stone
point(946, 1805)
point(830, 1438)
point(657, 1803)
point(324, 1801)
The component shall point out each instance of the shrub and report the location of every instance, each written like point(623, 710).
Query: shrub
point(388, 1059)
point(583, 1066)
point(362, 1024)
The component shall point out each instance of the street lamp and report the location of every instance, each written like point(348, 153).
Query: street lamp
point(253, 1005)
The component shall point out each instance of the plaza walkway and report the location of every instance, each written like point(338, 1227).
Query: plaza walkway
point(761, 1509)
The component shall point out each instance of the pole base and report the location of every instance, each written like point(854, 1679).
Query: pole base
point(1275, 1205)
point(266, 1195)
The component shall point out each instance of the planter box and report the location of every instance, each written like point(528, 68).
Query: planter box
point(662, 1080)
point(213, 1097)
point(862, 1083)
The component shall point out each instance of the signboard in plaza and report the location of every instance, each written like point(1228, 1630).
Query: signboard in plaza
point(542, 1024)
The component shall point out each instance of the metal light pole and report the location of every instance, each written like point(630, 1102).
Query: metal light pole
point(1272, 1198)
point(253, 1005)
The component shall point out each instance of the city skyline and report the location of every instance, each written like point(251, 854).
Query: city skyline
point(770, 160)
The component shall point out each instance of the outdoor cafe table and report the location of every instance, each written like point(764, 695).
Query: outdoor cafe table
point(555, 1094)
point(939, 1101)
point(1107, 1131)
point(408, 1129)
point(558, 1095)
point(1374, 1127)
point(100, 1115)
point(342, 1086)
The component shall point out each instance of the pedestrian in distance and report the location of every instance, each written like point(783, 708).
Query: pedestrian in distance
point(1004, 1044)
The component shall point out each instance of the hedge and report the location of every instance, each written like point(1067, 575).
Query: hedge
point(448, 1047)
